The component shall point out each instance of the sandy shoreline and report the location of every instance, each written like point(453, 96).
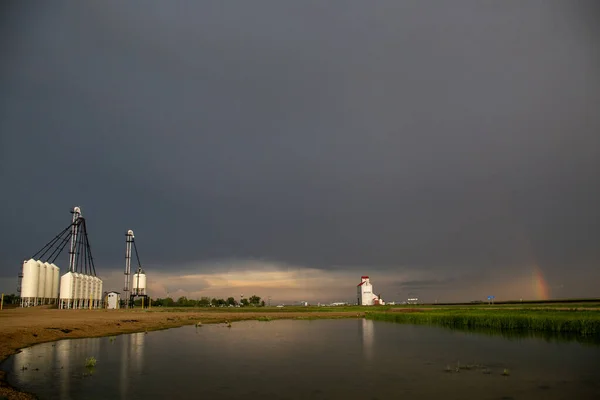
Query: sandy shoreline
point(24, 327)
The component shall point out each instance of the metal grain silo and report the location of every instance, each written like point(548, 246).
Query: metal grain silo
point(41, 293)
point(99, 288)
point(86, 289)
point(93, 284)
point(98, 292)
point(48, 282)
point(29, 284)
point(139, 283)
point(77, 281)
point(67, 290)
point(81, 281)
point(55, 281)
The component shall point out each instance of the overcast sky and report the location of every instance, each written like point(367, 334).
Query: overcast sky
point(446, 149)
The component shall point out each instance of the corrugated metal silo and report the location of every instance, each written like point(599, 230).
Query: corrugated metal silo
point(77, 286)
point(93, 285)
point(41, 293)
point(48, 281)
point(29, 284)
point(67, 288)
point(139, 283)
point(85, 286)
point(99, 288)
point(90, 295)
point(55, 280)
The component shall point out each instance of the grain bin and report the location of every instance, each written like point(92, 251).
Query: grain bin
point(55, 281)
point(93, 283)
point(77, 290)
point(29, 284)
point(67, 290)
point(41, 292)
point(48, 282)
point(99, 289)
point(85, 295)
point(139, 283)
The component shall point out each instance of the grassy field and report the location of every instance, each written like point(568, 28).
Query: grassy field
point(567, 318)
point(571, 305)
point(580, 322)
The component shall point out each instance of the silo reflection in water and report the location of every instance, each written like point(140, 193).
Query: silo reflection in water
point(368, 338)
point(132, 359)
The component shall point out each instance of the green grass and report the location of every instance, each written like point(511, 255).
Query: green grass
point(273, 310)
point(585, 323)
point(570, 304)
point(90, 362)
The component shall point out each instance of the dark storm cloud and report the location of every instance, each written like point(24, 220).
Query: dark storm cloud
point(453, 137)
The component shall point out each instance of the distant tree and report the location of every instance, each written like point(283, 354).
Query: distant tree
point(182, 301)
point(158, 302)
point(244, 302)
point(204, 302)
point(11, 299)
point(214, 302)
point(168, 302)
point(254, 300)
point(262, 303)
point(192, 303)
point(231, 301)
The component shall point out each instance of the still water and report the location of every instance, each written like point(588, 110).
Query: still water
point(319, 359)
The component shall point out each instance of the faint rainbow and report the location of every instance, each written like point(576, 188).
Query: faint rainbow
point(540, 286)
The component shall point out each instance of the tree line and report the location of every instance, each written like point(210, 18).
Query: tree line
point(254, 301)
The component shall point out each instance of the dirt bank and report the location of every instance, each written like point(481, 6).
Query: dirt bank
point(23, 327)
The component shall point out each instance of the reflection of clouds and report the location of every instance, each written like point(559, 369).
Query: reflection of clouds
point(132, 359)
point(64, 361)
point(368, 335)
point(124, 341)
point(136, 351)
point(23, 360)
point(65, 356)
point(62, 356)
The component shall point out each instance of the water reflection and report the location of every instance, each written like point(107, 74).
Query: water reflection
point(132, 359)
point(63, 363)
point(368, 336)
point(306, 359)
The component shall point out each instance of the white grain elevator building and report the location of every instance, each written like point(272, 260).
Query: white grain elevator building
point(365, 294)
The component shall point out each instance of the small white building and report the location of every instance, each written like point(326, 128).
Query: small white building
point(113, 300)
point(365, 294)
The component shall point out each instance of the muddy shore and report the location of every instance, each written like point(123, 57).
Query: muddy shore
point(24, 327)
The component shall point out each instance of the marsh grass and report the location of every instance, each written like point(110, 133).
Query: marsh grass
point(264, 319)
point(585, 323)
point(90, 362)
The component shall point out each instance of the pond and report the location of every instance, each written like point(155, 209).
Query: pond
point(314, 359)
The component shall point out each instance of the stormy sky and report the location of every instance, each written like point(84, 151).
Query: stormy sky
point(449, 150)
